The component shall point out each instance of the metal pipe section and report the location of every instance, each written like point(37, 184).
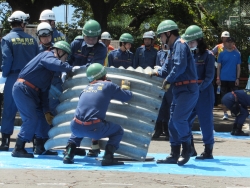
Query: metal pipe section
point(137, 116)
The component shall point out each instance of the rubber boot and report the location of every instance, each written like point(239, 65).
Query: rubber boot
point(95, 151)
point(234, 129)
point(185, 153)
point(173, 157)
point(193, 151)
point(108, 158)
point(239, 132)
point(165, 127)
point(207, 154)
point(19, 150)
point(5, 142)
point(158, 130)
point(39, 147)
point(69, 153)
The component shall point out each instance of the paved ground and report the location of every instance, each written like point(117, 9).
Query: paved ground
point(85, 178)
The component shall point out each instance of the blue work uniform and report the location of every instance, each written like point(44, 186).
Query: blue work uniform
point(18, 48)
point(57, 36)
point(83, 55)
point(248, 82)
point(161, 57)
point(31, 97)
point(243, 97)
point(1, 57)
point(93, 105)
point(119, 58)
point(145, 57)
point(185, 91)
point(204, 107)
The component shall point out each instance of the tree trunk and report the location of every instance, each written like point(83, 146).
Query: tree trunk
point(33, 9)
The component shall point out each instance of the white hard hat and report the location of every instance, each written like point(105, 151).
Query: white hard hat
point(153, 33)
point(225, 34)
point(19, 16)
point(1, 25)
point(44, 29)
point(148, 35)
point(106, 35)
point(47, 15)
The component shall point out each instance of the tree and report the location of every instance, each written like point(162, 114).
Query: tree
point(33, 7)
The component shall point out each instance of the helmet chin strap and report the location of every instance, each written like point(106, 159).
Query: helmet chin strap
point(167, 38)
point(59, 57)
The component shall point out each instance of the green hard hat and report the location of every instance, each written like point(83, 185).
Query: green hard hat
point(165, 26)
point(79, 37)
point(126, 37)
point(91, 29)
point(193, 32)
point(63, 46)
point(95, 71)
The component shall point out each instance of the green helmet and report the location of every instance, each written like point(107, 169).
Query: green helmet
point(95, 71)
point(193, 32)
point(126, 37)
point(79, 37)
point(63, 46)
point(91, 29)
point(165, 26)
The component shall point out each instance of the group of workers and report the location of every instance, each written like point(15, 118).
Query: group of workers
point(30, 71)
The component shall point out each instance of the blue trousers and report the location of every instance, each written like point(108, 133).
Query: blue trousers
point(9, 106)
point(204, 111)
point(184, 100)
point(240, 119)
point(164, 112)
point(28, 103)
point(97, 131)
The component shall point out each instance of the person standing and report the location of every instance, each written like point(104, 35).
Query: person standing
point(18, 48)
point(89, 120)
point(122, 56)
point(145, 56)
point(228, 70)
point(106, 39)
point(204, 61)
point(183, 77)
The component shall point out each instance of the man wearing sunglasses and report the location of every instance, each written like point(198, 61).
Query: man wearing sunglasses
point(237, 102)
point(18, 48)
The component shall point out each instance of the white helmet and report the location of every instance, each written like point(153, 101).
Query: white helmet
point(47, 15)
point(44, 29)
point(19, 16)
point(225, 34)
point(153, 33)
point(106, 35)
point(1, 25)
point(148, 35)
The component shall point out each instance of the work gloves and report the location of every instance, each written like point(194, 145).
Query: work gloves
point(165, 85)
point(75, 68)
point(49, 117)
point(153, 73)
point(125, 85)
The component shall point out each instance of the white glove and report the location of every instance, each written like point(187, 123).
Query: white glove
point(75, 68)
point(2, 80)
point(157, 67)
point(63, 76)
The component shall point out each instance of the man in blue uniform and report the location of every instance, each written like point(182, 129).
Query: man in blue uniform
point(122, 56)
point(90, 49)
point(145, 56)
point(89, 120)
point(18, 48)
point(237, 102)
point(204, 61)
point(185, 91)
point(49, 17)
point(30, 93)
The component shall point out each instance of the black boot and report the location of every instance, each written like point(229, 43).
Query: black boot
point(165, 127)
point(95, 151)
point(39, 147)
point(234, 129)
point(158, 129)
point(173, 157)
point(207, 154)
point(108, 158)
point(239, 132)
point(5, 142)
point(19, 150)
point(185, 153)
point(193, 151)
point(69, 153)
